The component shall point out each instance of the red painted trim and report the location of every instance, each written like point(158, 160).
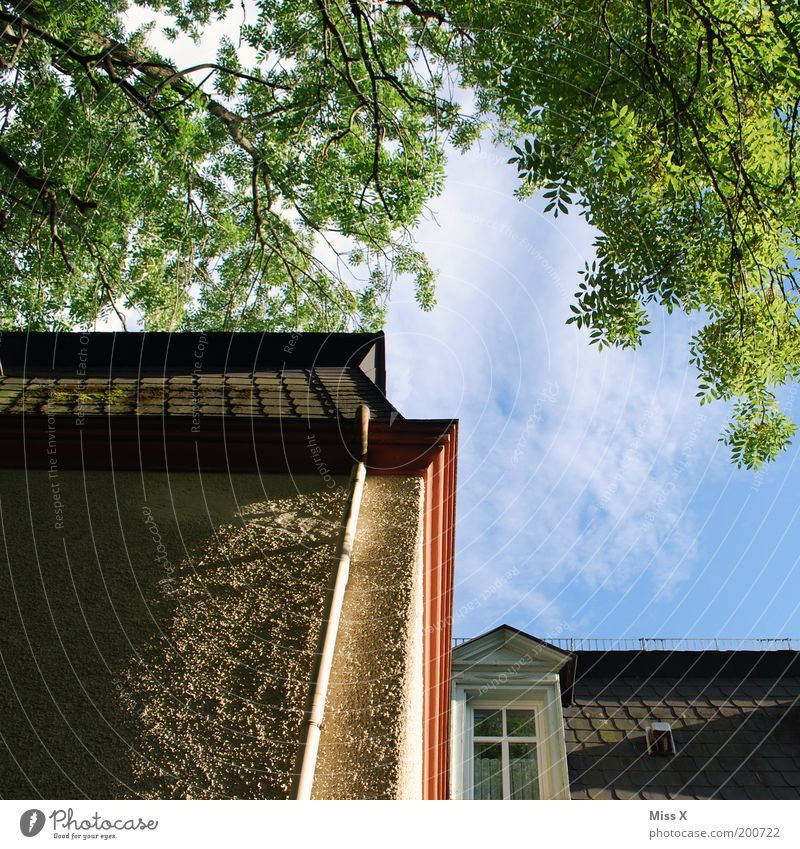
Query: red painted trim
point(437, 659)
point(440, 481)
point(407, 447)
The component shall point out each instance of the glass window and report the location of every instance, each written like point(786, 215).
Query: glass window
point(523, 771)
point(521, 723)
point(504, 757)
point(488, 723)
point(488, 771)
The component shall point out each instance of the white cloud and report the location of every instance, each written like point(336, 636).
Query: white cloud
point(576, 467)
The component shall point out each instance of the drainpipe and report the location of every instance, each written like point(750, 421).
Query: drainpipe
point(323, 661)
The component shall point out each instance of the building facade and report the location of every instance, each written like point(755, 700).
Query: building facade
point(172, 516)
point(532, 720)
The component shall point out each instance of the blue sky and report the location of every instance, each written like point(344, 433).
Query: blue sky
point(593, 498)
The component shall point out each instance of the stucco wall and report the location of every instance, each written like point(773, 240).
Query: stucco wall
point(157, 631)
point(375, 699)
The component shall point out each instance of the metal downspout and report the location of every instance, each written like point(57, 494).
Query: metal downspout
point(321, 671)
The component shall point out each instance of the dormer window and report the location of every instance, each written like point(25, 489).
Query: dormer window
point(507, 732)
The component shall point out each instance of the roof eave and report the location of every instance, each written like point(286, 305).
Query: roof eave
point(45, 354)
point(217, 443)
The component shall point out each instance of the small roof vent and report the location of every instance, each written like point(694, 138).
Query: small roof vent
point(659, 739)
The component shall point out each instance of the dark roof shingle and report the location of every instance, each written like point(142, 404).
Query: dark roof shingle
point(737, 734)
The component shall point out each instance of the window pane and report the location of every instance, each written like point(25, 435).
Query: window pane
point(523, 771)
point(488, 723)
point(488, 766)
point(520, 723)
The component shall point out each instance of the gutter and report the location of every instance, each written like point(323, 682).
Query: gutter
point(303, 779)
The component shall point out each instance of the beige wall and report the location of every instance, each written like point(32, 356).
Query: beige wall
point(375, 697)
point(157, 633)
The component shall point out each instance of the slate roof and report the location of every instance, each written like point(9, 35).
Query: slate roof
point(315, 376)
point(735, 718)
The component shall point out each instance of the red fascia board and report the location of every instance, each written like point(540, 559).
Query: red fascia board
point(216, 443)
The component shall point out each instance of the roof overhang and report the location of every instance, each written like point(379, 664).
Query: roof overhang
point(40, 354)
point(219, 443)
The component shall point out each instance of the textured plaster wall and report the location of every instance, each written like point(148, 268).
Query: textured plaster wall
point(374, 706)
point(157, 635)
point(157, 631)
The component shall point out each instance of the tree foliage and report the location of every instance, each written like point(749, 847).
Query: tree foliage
point(672, 126)
point(284, 193)
point(236, 199)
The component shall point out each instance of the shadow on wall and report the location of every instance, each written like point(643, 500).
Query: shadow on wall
point(157, 631)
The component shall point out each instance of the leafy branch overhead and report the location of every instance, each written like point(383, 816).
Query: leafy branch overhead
point(673, 127)
point(282, 191)
point(215, 195)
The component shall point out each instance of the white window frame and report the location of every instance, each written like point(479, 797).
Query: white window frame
point(545, 698)
point(494, 704)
